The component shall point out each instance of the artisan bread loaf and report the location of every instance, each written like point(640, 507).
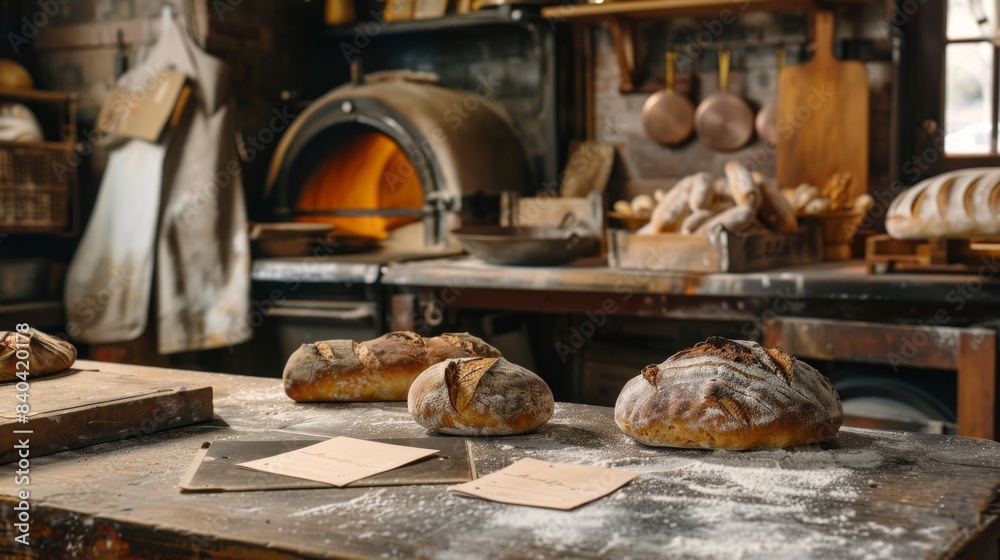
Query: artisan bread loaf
point(480, 397)
point(376, 370)
point(959, 204)
point(728, 394)
point(45, 354)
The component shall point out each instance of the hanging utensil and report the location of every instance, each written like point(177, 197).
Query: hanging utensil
point(767, 117)
point(668, 116)
point(724, 121)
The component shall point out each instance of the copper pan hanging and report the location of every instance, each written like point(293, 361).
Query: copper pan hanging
point(723, 120)
point(668, 115)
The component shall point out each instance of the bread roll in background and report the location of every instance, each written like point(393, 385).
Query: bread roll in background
point(728, 394)
point(46, 354)
point(377, 370)
point(480, 397)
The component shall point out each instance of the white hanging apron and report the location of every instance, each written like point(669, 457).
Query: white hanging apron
point(202, 250)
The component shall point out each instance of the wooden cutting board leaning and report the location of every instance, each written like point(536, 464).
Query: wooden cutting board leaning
point(823, 117)
point(86, 407)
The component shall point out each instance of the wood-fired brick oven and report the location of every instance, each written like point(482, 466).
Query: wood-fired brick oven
point(394, 149)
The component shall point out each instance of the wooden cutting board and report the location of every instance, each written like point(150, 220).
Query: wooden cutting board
point(823, 117)
point(85, 407)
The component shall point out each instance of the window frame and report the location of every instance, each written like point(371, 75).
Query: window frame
point(923, 99)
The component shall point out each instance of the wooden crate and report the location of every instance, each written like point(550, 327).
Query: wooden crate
point(883, 254)
point(721, 251)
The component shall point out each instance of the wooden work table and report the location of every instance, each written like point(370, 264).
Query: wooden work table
point(862, 494)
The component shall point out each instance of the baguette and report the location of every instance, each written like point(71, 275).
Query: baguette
point(959, 204)
point(376, 370)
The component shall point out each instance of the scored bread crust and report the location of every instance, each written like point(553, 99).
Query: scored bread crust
point(957, 204)
point(377, 370)
point(727, 394)
point(47, 354)
point(480, 397)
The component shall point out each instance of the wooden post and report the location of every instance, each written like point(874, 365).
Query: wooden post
point(977, 385)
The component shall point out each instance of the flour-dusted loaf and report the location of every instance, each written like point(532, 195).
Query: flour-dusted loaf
point(729, 394)
point(959, 204)
point(376, 370)
point(46, 354)
point(480, 397)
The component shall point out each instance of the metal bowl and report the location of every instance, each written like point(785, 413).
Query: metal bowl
point(527, 246)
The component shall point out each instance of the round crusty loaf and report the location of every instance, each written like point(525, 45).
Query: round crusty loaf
point(46, 354)
point(728, 394)
point(480, 397)
point(376, 370)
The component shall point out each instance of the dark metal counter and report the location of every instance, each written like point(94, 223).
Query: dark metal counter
point(863, 494)
point(822, 281)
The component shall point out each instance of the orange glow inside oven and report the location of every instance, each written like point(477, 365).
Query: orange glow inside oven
point(370, 172)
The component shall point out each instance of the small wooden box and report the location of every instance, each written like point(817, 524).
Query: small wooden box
point(722, 251)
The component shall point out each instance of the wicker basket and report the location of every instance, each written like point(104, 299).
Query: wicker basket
point(37, 180)
point(838, 230)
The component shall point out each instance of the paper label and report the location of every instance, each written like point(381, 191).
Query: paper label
point(530, 482)
point(339, 461)
point(143, 113)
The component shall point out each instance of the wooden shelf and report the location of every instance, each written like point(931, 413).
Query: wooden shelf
point(657, 9)
point(507, 14)
point(622, 17)
point(37, 95)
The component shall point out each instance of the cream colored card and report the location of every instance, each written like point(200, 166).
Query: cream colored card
point(530, 482)
point(340, 460)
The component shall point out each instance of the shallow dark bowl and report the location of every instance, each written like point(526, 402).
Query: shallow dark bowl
point(527, 246)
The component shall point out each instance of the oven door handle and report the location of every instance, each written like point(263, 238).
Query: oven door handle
point(324, 310)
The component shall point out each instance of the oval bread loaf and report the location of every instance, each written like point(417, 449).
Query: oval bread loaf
point(728, 394)
point(376, 370)
point(480, 397)
point(958, 204)
point(46, 354)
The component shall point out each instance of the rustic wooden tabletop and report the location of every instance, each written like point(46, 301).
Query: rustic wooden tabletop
point(862, 494)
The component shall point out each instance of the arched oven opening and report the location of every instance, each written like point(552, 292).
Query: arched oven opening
point(358, 179)
point(391, 155)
